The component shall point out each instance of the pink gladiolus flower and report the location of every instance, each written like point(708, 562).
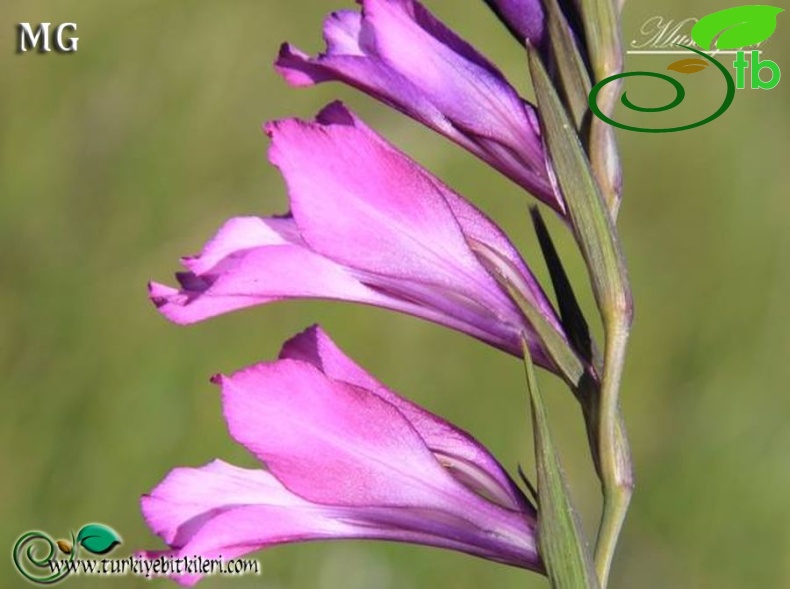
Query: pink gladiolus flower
point(369, 225)
point(345, 458)
point(399, 53)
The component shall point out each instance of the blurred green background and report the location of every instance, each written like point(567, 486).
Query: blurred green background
point(118, 159)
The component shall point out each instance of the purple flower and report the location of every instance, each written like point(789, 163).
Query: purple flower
point(345, 458)
point(367, 225)
point(399, 53)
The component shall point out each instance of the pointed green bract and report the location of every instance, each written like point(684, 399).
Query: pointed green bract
point(574, 80)
point(562, 547)
point(591, 220)
point(562, 354)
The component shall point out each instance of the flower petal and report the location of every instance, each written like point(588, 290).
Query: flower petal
point(251, 261)
point(187, 497)
point(239, 235)
point(459, 452)
point(224, 511)
point(390, 235)
point(264, 261)
point(386, 216)
point(397, 52)
point(524, 18)
point(464, 85)
point(331, 442)
point(261, 275)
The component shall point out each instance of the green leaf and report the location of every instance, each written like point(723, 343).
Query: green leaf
point(574, 81)
point(98, 538)
point(735, 28)
point(560, 541)
point(591, 220)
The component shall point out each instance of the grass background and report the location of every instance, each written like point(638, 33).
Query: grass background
point(118, 159)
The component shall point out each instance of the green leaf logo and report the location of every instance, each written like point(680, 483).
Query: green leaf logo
point(735, 28)
point(98, 538)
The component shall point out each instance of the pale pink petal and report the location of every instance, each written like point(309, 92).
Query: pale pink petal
point(257, 276)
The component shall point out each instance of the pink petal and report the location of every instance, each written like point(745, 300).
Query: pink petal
point(221, 511)
point(463, 84)
point(369, 226)
point(474, 223)
point(385, 216)
point(331, 442)
point(264, 262)
point(260, 275)
point(399, 53)
point(457, 450)
point(188, 497)
point(239, 235)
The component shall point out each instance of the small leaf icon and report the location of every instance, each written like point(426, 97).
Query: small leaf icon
point(690, 65)
point(735, 28)
point(65, 546)
point(98, 538)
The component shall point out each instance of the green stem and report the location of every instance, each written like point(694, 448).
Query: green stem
point(613, 452)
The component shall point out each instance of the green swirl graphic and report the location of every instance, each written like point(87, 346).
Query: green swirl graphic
point(680, 95)
point(25, 547)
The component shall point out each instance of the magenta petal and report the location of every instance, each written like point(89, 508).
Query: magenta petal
point(239, 235)
point(393, 216)
point(266, 274)
point(346, 458)
point(272, 265)
point(253, 261)
point(368, 225)
point(260, 276)
point(397, 52)
point(329, 441)
point(458, 451)
point(224, 511)
point(465, 86)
